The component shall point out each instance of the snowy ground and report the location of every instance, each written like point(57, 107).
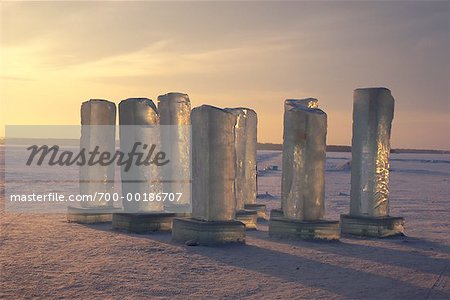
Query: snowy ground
point(44, 256)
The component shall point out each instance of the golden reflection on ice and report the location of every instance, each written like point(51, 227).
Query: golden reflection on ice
point(381, 188)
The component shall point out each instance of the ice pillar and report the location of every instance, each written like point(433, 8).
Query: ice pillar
point(175, 110)
point(213, 164)
point(373, 111)
point(137, 119)
point(286, 163)
point(245, 146)
point(303, 174)
point(98, 121)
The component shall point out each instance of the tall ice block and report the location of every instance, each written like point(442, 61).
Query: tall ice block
point(213, 161)
point(139, 125)
point(245, 183)
point(303, 175)
point(213, 179)
point(98, 121)
point(373, 111)
point(286, 162)
point(303, 180)
point(245, 147)
point(175, 118)
point(138, 119)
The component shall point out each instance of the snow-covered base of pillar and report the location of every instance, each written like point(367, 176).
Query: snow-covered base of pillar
point(284, 228)
point(276, 213)
point(90, 215)
point(208, 232)
point(143, 222)
point(248, 217)
point(378, 227)
point(259, 208)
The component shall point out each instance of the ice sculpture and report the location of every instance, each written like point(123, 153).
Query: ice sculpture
point(213, 161)
point(137, 119)
point(98, 121)
point(304, 146)
point(286, 163)
point(303, 175)
point(98, 131)
point(245, 145)
point(373, 111)
point(247, 210)
point(175, 111)
point(213, 179)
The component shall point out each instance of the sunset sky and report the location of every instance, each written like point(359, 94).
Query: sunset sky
point(55, 55)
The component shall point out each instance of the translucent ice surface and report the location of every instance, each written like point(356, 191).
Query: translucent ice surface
point(213, 164)
point(303, 171)
point(175, 109)
point(94, 114)
point(373, 111)
point(245, 146)
point(140, 180)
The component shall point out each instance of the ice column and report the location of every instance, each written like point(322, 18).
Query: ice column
point(304, 146)
point(245, 145)
point(373, 111)
point(137, 119)
point(98, 121)
point(175, 110)
point(287, 166)
point(213, 163)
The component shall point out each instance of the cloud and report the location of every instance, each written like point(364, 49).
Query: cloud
point(15, 78)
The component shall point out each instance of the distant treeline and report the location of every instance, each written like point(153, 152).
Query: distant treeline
point(341, 148)
point(275, 147)
point(420, 151)
point(261, 146)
